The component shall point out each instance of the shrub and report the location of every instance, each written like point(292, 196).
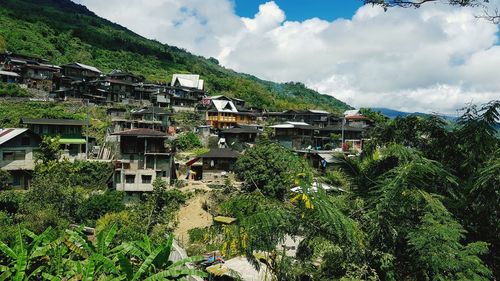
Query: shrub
point(187, 141)
point(12, 90)
point(98, 205)
point(5, 180)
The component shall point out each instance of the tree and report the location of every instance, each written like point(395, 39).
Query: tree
point(49, 150)
point(493, 16)
point(418, 3)
point(97, 205)
point(5, 179)
point(272, 169)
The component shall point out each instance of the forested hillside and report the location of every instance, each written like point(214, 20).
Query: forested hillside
point(65, 32)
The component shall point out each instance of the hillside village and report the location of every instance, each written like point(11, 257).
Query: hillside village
point(182, 140)
point(143, 123)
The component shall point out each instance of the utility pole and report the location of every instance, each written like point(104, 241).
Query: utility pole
point(343, 128)
point(87, 133)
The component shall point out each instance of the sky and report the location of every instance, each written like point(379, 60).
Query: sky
point(434, 59)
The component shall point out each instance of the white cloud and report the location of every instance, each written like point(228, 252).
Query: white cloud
point(433, 59)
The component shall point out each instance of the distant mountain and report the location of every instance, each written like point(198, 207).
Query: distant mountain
point(64, 32)
point(391, 113)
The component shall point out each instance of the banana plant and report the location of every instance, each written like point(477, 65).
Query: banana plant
point(155, 261)
point(25, 261)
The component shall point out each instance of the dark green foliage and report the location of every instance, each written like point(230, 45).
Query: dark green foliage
point(272, 169)
point(10, 201)
point(187, 141)
point(5, 180)
point(438, 255)
point(12, 90)
point(154, 214)
point(65, 32)
point(97, 205)
point(86, 174)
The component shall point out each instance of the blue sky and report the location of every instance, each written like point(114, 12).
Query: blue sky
point(299, 10)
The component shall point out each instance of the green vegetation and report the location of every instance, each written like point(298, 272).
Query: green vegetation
point(420, 203)
point(72, 256)
point(11, 113)
point(5, 179)
point(64, 32)
point(12, 90)
point(49, 150)
point(272, 169)
point(187, 141)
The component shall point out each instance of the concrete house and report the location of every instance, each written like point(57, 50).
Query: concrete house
point(17, 147)
point(142, 158)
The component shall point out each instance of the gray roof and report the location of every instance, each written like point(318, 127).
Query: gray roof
point(141, 132)
point(48, 121)
point(336, 128)
point(151, 110)
point(220, 153)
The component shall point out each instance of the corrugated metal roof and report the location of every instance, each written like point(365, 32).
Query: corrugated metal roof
point(224, 106)
point(8, 134)
point(188, 80)
point(9, 73)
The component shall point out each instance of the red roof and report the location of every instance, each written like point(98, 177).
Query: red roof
point(140, 132)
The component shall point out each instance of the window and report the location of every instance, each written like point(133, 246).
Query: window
point(129, 178)
point(118, 178)
point(146, 179)
point(14, 155)
point(16, 180)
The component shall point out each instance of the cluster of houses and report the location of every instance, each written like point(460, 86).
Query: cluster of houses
point(140, 135)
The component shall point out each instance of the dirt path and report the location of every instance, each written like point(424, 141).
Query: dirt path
point(192, 216)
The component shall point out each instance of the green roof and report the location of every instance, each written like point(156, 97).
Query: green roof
point(72, 141)
point(224, 220)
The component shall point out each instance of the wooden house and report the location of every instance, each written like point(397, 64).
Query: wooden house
point(218, 162)
point(186, 91)
point(317, 118)
point(294, 135)
point(224, 112)
point(70, 132)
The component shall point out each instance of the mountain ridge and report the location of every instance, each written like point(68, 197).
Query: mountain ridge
point(63, 32)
